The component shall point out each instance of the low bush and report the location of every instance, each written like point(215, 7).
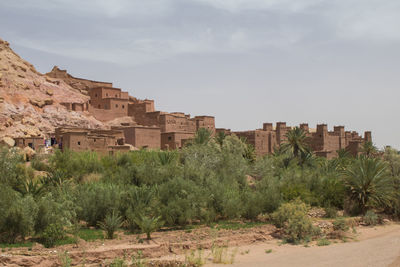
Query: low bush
point(148, 224)
point(111, 224)
point(297, 226)
point(323, 242)
point(330, 212)
point(340, 224)
point(371, 218)
point(52, 234)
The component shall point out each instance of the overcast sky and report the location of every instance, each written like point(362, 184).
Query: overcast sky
point(243, 61)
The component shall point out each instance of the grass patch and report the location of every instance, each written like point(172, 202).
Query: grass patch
point(90, 234)
point(323, 242)
point(267, 251)
point(17, 245)
point(221, 254)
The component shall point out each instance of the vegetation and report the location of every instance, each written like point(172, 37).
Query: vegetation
point(216, 181)
point(371, 218)
point(111, 224)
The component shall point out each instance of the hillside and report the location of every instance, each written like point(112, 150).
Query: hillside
point(30, 101)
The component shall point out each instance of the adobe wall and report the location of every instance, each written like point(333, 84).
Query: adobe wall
point(105, 114)
point(259, 139)
point(35, 143)
point(76, 141)
point(77, 83)
point(175, 123)
point(173, 140)
point(140, 137)
point(207, 122)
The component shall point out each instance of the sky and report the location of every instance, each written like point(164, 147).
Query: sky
point(243, 61)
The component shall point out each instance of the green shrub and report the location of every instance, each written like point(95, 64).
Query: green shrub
point(330, 212)
point(340, 224)
point(287, 211)
point(371, 218)
point(17, 216)
point(292, 217)
point(96, 200)
point(323, 242)
point(148, 224)
point(52, 234)
point(369, 183)
point(110, 224)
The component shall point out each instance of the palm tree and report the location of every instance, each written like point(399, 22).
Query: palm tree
point(296, 142)
point(219, 138)
point(369, 183)
point(368, 149)
point(202, 137)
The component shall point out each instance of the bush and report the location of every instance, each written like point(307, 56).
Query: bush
point(292, 217)
point(340, 224)
point(370, 184)
point(17, 216)
point(287, 211)
point(330, 212)
point(110, 224)
point(323, 242)
point(371, 218)
point(148, 224)
point(52, 234)
point(96, 200)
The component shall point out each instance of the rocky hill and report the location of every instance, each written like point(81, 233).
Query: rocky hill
point(30, 101)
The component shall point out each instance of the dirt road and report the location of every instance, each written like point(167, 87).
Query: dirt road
point(375, 247)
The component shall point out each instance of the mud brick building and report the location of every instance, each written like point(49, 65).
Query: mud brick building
point(157, 129)
point(322, 142)
point(34, 142)
point(81, 139)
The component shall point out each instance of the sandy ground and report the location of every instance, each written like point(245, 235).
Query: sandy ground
point(371, 246)
point(379, 246)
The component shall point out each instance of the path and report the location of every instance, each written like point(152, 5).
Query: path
point(377, 247)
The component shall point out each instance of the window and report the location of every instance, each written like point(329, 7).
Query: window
point(95, 95)
point(106, 94)
point(116, 95)
point(169, 138)
point(79, 143)
point(123, 106)
point(116, 105)
point(99, 106)
point(94, 140)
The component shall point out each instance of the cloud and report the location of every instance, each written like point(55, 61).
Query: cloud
point(134, 32)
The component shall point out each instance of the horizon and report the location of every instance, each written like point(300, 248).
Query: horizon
point(316, 62)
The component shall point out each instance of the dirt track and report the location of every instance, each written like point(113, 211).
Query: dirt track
point(376, 247)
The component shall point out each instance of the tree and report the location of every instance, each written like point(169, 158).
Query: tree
point(219, 138)
point(369, 183)
point(296, 142)
point(202, 137)
point(368, 149)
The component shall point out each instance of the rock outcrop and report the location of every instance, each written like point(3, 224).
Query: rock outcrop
point(30, 102)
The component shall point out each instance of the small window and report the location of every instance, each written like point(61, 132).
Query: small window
point(99, 106)
point(116, 95)
point(123, 106)
point(116, 105)
point(94, 140)
point(106, 94)
point(169, 138)
point(79, 143)
point(95, 95)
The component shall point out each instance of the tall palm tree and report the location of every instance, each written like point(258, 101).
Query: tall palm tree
point(296, 142)
point(368, 149)
point(202, 136)
point(219, 138)
point(369, 183)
